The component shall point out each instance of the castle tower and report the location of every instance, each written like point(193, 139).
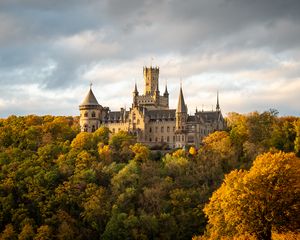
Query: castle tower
point(135, 95)
point(90, 113)
point(151, 75)
point(181, 119)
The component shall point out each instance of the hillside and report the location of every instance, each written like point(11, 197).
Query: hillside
point(57, 183)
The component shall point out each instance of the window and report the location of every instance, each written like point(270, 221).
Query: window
point(150, 129)
point(156, 129)
point(173, 138)
point(190, 139)
point(162, 139)
point(162, 129)
point(168, 129)
point(86, 114)
point(173, 129)
point(156, 139)
point(93, 114)
point(150, 139)
point(85, 128)
point(168, 139)
point(113, 130)
point(93, 128)
point(182, 138)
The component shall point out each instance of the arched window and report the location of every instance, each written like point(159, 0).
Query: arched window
point(85, 114)
point(93, 114)
point(85, 129)
point(168, 129)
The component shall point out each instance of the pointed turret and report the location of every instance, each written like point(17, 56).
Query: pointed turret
point(135, 92)
point(166, 93)
point(90, 112)
point(181, 107)
point(218, 105)
point(90, 99)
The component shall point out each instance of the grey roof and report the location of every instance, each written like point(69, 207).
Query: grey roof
point(115, 115)
point(191, 118)
point(209, 116)
point(181, 107)
point(161, 114)
point(90, 99)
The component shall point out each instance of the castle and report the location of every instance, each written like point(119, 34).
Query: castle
point(150, 118)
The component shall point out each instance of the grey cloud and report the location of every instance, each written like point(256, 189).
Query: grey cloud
point(56, 44)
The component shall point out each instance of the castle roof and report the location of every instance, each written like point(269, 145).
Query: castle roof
point(161, 114)
point(209, 116)
point(90, 99)
point(181, 107)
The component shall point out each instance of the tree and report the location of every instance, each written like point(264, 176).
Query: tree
point(297, 140)
point(101, 135)
point(257, 201)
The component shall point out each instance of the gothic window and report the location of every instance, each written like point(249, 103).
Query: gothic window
point(86, 114)
point(93, 114)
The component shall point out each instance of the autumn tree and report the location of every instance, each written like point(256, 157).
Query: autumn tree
point(258, 201)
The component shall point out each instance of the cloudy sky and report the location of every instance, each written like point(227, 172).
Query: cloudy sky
point(50, 50)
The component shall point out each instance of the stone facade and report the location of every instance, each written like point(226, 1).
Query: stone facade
point(150, 118)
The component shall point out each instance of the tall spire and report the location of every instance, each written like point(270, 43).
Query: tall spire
point(218, 105)
point(135, 92)
point(166, 91)
point(181, 107)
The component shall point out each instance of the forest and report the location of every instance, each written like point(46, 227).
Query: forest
point(58, 183)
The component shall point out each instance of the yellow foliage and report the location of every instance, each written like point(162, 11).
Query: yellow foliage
point(179, 153)
point(141, 152)
point(192, 151)
point(258, 200)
